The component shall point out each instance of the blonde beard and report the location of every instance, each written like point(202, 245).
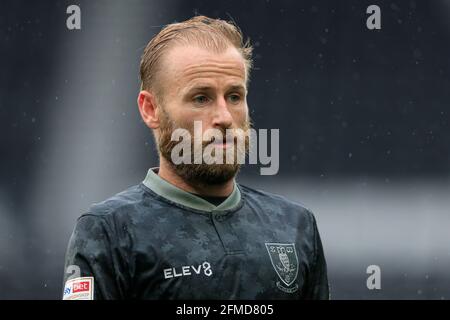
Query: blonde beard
point(199, 174)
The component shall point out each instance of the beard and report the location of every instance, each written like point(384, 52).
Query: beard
point(204, 174)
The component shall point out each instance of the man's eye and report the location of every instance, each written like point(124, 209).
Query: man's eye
point(234, 98)
point(201, 99)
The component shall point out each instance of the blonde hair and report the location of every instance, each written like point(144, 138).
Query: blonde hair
point(212, 34)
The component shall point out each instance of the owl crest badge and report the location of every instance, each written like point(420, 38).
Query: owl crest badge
point(285, 262)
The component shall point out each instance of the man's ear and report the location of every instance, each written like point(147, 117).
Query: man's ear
point(148, 109)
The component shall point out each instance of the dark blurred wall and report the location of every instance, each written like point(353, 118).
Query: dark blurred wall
point(352, 105)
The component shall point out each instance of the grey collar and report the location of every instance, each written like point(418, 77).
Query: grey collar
point(167, 190)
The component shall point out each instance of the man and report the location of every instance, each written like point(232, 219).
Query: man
point(189, 231)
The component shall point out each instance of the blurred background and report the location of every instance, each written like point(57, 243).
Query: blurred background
point(363, 118)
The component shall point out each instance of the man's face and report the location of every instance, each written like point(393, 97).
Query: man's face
point(200, 85)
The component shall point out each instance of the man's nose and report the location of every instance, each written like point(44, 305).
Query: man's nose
point(222, 116)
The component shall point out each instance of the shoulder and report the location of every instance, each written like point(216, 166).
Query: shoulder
point(121, 206)
point(271, 198)
point(276, 203)
point(114, 217)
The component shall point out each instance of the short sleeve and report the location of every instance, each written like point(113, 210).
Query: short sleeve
point(92, 262)
point(317, 284)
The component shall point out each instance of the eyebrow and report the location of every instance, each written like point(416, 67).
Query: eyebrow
point(238, 87)
point(206, 87)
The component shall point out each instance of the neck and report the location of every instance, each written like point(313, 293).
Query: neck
point(167, 172)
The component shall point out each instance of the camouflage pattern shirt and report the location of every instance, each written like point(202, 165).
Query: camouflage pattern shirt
point(156, 241)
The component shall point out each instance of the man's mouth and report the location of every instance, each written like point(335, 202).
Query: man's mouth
point(224, 143)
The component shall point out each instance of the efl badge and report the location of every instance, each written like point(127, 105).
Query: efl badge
point(79, 289)
point(285, 262)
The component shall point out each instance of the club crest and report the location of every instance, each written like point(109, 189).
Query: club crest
point(285, 262)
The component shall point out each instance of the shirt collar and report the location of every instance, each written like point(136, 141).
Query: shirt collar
point(167, 190)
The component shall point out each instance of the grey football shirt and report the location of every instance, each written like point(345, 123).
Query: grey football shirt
point(156, 241)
